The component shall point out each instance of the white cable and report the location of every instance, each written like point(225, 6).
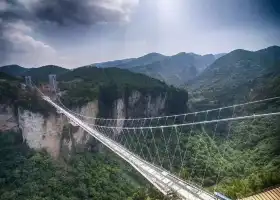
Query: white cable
point(196, 123)
point(169, 116)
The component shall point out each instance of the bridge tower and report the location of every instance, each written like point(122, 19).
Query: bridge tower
point(52, 83)
point(28, 81)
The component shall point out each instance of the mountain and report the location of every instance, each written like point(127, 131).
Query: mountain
point(174, 70)
point(109, 84)
point(41, 73)
point(177, 69)
point(13, 70)
point(132, 62)
point(112, 63)
point(238, 75)
point(4, 76)
point(143, 60)
point(219, 55)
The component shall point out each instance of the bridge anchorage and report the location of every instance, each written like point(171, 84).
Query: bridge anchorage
point(188, 154)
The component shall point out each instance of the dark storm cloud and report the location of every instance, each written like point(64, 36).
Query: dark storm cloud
point(57, 14)
point(67, 12)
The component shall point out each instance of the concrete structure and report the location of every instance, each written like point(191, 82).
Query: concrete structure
point(52, 83)
point(28, 81)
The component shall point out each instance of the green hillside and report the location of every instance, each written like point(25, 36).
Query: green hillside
point(26, 174)
point(237, 75)
point(13, 70)
point(132, 62)
point(41, 73)
point(89, 83)
point(176, 70)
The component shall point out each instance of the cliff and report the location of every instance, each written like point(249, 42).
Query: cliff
point(57, 136)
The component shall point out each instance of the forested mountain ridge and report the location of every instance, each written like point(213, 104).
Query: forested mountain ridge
point(237, 75)
point(177, 69)
point(110, 84)
point(40, 73)
point(132, 62)
point(13, 70)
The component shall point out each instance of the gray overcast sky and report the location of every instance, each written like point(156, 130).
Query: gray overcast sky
point(72, 33)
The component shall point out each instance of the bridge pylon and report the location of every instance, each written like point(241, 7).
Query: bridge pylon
point(28, 81)
point(53, 82)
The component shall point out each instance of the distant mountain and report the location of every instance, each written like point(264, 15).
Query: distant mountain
point(217, 56)
point(143, 60)
point(176, 70)
point(238, 75)
point(112, 63)
point(13, 70)
point(132, 62)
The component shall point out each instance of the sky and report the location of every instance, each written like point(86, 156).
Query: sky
point(73, 33)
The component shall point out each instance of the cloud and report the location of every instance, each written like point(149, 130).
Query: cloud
point(19, 19)
point(21, 47)
point(68, 12)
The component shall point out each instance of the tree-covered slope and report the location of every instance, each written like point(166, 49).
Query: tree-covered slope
point(132, 62)
point(108, 84)
point(41, 73)
point(251, 161)
point(143, 60)
point(177, 69)
point(29, 175)
point(13, 70)
point(237, 75)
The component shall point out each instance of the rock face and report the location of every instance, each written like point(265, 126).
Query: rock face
point(145, 105)
point(52, 133)
point(58, 137)
point(8, 120)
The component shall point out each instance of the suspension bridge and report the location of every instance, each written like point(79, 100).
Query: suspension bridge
point(158, 147)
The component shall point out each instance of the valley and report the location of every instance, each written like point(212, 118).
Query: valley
point(75, 166)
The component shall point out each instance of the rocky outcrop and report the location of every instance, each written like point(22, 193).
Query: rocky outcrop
point(41, 133)
point(145, 105)
point(54, 133)
point(57, 136)
point(8, 121)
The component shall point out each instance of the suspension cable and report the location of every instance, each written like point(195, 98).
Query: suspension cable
point(168, 116)
point(196, 123)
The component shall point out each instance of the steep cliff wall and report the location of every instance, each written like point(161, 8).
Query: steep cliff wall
point(54, 133)
point(139, 105)
point(8, 120)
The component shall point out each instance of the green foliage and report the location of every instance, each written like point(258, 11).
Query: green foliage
point(25, 174)
point(29, 100)
point(107, 85)
point(41, 74)
point(8, 91)
point(13, 70)
point(237, 76)
point(249, 158)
